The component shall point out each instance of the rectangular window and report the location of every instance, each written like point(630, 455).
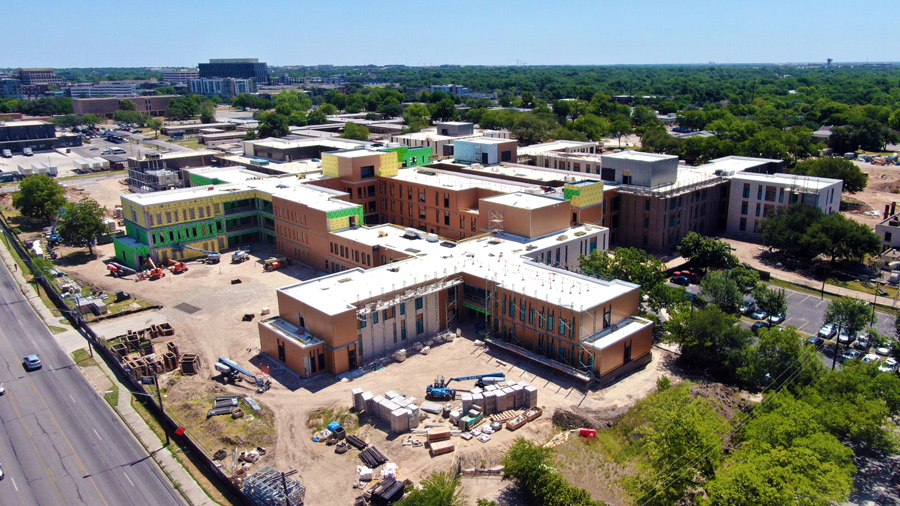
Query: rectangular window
point(374, 316)
point(562, 327)
point(550, 322)
point(531, 316)
point(418, 302)
point(420, 325)
point(403, 330)
point(512, 308)
point(388, 313)
point(746, 193)
point(758, 207)
point(403, 308)
point(759, 192)
point(744, 206)
point(646, 204)
point(743, 225)
point(770, 193)
point(362, 323)
point(367, 171)
point(522, 310)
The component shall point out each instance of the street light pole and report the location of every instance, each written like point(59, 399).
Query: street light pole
point(837, 347)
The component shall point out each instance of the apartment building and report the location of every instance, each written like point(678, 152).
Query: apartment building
point(179, 75)
point(755, 196)
point(226, 88)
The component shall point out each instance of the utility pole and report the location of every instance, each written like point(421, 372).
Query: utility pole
point(159, 397)
point(837, 347)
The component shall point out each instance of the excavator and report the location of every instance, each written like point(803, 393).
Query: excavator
point(441, 390)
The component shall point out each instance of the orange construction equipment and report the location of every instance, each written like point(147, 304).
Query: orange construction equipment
point(276, 262)
point(155, 272)
point(178, 268)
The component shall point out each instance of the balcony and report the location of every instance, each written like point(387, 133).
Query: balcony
point(616, 332)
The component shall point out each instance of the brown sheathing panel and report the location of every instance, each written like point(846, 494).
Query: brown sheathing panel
point(294, 354)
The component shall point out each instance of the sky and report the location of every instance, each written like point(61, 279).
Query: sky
point(163, 33)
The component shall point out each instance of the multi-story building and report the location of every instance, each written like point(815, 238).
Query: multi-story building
point(755, 196)
point(450, 89)
point(153, 105)
point(37, 135)
point(455, 128)
point(575, 156)
point(225, 88)
point(238, 68)
point(179, 75)
point(11, 88)
point(34, 76)
point(104, 89)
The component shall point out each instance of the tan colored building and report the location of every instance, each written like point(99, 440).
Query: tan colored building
point(153, 105)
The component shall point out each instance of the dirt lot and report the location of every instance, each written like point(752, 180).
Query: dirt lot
point(882, 190)
point(206, 310)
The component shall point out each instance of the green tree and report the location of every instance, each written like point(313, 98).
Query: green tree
point(317, 117)
point(530, 466)
point(354, 131)
point(127, 105)
point(438, 489)
point(710, 340)
point(635, 266)
point(745, 278)
point(723, 291)
point(82, 223)
point(445, 110)
point(391, 109)
point(780, 360)
point(706, 252)
point(772, 301)
point(849, 314)
point(842, 238)
point(786, 229)
point(250, 135)
point(855, 180)
point(207, 115)
point(92, 119)
point(183, 108)
point(681, 439)
point(529, 129)
point(620, 128)
point(328, 109)
point(155, 124)
point(39, 198)
point(272, 124)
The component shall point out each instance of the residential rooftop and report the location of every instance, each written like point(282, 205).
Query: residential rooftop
point(559, 145)
point(443, 179)
point(640, 156)
point(799, 182)
point(523, 200)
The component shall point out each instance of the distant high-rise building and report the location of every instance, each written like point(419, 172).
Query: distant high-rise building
point(37, 76)
point(179, 76)
point(225, 88)
point(10, 88)
point(238, 68)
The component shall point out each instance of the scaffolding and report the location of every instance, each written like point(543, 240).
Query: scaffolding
point(495, 225)
point(267, 486)
point(146, 180)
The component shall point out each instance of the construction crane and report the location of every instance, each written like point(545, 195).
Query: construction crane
point(232, 372)
point(212, 257)
point(441, 390)
point(53, 238)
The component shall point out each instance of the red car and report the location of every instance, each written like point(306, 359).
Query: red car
point(693, 278)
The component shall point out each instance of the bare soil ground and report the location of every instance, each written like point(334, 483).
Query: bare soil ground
point(882, 190)
point(215, 330)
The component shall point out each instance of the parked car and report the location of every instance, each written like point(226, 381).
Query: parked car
point(815, 341)
point(883, 350)
point(106, 152)
point(1, 473)
point(747, 307)
point(31, 362)
point(827, 331)
point(758, 325)
point(862, 342)
point(850, 355)
point(777, 318)
point(845, 337)
point(680, 280)
point(690, 275)
point(870, 357)
point(889, 365)
point(759, 314)
point(2, 389)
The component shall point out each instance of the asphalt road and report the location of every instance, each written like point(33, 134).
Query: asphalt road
point(60, 443)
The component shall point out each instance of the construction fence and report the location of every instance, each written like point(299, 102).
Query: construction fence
point(198, 455)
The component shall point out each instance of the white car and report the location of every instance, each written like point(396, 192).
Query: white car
point(889, 365)
point(870, 357)
point(884, 350)
point(2, 389)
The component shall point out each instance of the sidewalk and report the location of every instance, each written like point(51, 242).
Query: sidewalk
point(102, 380)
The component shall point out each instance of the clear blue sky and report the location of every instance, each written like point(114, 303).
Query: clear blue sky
point(137, 33)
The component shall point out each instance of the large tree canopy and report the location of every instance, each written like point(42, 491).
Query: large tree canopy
point(854, 179)
point(40, 198)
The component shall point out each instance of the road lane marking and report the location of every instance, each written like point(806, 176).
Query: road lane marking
point(129, 479)
point(73, 399)
point(14, 483)
point(98, 435)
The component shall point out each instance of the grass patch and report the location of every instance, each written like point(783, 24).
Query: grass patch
point(57, 330)
point(209, 488)
point(112, 396)
point(320, 418)
point(83, 358)
point(94, 174)
point(193, 144)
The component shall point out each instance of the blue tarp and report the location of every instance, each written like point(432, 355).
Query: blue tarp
point(333, 426)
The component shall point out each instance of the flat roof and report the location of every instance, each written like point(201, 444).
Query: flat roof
point(355, 153)
point(443, 179)
point(505, 260)
point(612, 335)
point(739, 163)
point(523, 200)
point(485, 140)
point(278, 143)
point(557, 145)
point(240, 179)
point(24, 122)
point(804, 182)
point(457, 123)
point(640, 156)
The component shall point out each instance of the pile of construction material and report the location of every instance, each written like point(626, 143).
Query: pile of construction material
point(190, 364)
point(439, 442)
point(400, 412)
point(501, 397)
point(266, 487)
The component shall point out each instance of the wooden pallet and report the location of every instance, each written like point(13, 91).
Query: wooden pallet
point(506, 415)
